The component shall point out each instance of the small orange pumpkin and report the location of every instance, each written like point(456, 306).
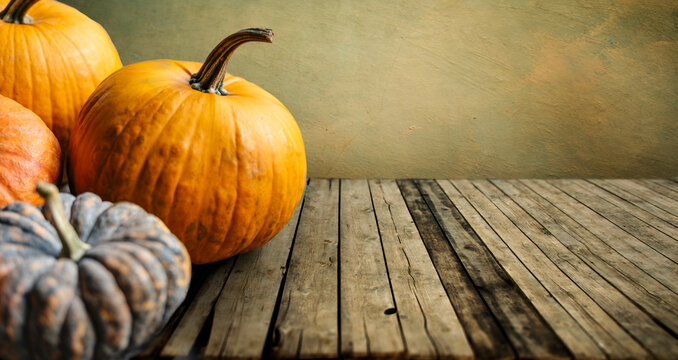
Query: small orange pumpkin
point(218, 159)
point(51, 59)
point(29, 153)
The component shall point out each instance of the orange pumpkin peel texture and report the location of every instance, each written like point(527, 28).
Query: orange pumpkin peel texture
point(217, 158)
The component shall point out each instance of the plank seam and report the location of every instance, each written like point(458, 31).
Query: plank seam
point(640, 342)
point(614, 222)
point(383, 252)
point(595, 235)
point(589, 263)
point(527, 269)
point(269, 343)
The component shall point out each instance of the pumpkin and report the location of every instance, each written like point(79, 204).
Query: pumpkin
point(82, 278)
point(217, 158)
point(29, 153)
point(51, 59)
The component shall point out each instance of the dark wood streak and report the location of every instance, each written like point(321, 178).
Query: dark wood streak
point(484, 334)
point(526, 330)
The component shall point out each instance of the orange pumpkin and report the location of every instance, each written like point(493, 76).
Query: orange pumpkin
point(29, 153)
point(218, 159)
point(51, 59)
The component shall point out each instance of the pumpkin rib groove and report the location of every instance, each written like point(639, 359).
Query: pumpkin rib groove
point(84, 215)
point(76, 337)
point(183, 162)
point(116, 142)
point(69, 88)
point(32, 213)
point(8, 218)
point(13, 303)
point(134, 284)
point(106, 307)
point(85, 60)
point(237, 187)
point(60, 65)
point(28, 99)
point(204, 170)
point(254, 240)
point(47, 72)
point(15, 253)
point(155, 270)
point(44, 326)
point(175, 283)
point(223, 206)
point(152, 147)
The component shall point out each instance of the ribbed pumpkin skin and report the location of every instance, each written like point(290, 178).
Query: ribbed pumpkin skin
point(108, 304)
point(53, 64)
point(223, 172)
point(29, 153)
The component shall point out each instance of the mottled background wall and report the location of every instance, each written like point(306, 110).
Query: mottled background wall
point(444, 88)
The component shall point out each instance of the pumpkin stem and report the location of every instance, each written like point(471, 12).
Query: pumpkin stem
point(210, 77)
point(15, 11)
point(71, 245)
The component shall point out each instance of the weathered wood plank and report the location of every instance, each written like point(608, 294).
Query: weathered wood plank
point(184, 336)
point(661, 186)
point(368, 329)
point(430, 326)
point(629, 221)
point(637, 201)
point(614, 201)
point(482, 330)
point(631, 318)
point(307, 325)
point(668, 204)
point(613, 339)
point(575, 338)
point(652, 262)
point(244, 310)
point(656, 299)
point(529, 334)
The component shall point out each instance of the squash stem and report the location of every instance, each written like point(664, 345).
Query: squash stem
point(210, 77)
point(71, 245)
point(15, 11)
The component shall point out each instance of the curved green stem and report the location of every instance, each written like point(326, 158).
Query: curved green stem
point(71, 245)
point(15, 11)
point(210, 77)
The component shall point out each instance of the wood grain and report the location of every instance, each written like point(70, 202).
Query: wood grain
point(243, 312)
point(368, 326)
point(575, 338)
point(612, 339)
point(632, 221)
point(656, 299)
point(635, 200)
point(307, 325)
point(529, 334)
point(632, 319)
point(484, 333)
point(657, 265)
point(184, 336)
point(430, 326)
point(668, 204)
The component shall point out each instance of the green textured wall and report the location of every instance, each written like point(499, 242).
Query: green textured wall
point(444, 88)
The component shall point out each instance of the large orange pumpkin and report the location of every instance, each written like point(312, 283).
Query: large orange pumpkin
point(51, 59)
point(29, 153)
point(218, 159)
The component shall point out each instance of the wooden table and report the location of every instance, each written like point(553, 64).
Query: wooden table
point(448, 269)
